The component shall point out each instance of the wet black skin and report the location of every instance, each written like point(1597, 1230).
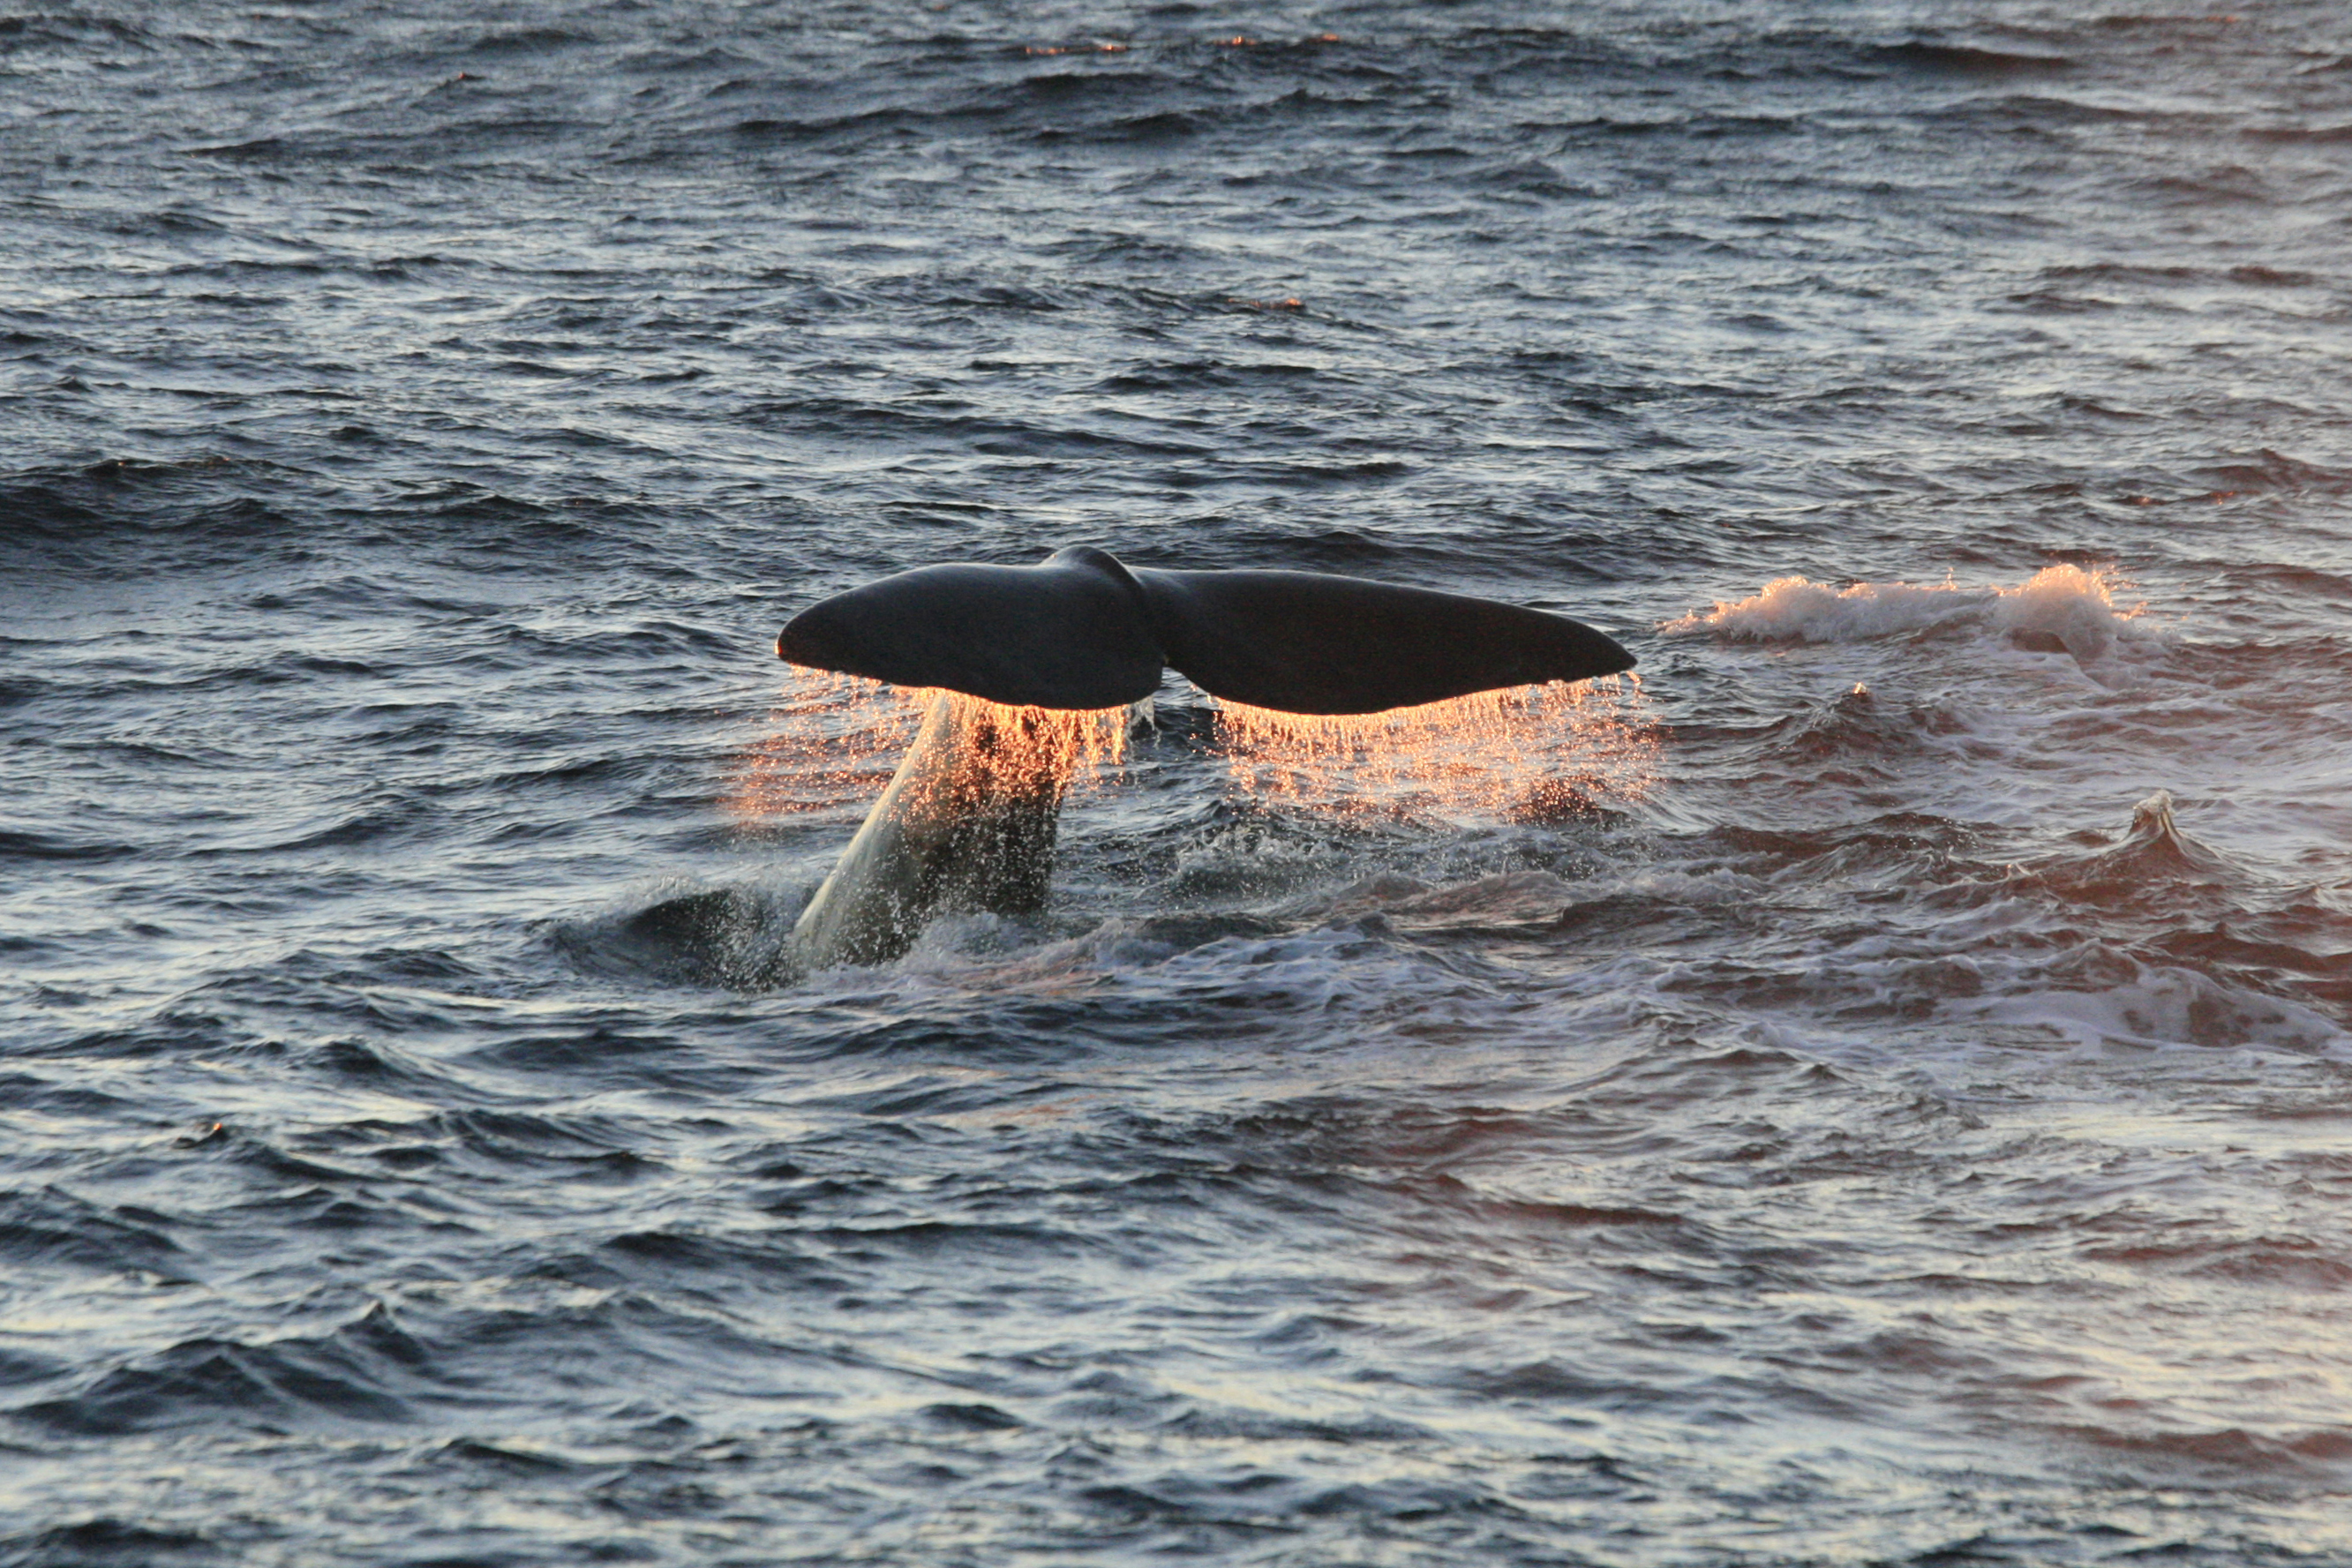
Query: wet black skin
point(1081, 631)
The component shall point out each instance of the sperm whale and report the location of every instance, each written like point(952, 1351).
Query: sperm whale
point(968, 821)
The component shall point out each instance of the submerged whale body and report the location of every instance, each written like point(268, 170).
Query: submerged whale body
point(967, 822)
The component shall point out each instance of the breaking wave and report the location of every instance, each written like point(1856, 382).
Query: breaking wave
point(2060, 609)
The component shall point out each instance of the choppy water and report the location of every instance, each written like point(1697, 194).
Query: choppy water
point(1912, 1128)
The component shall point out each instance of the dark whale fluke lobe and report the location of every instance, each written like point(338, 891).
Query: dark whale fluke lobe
point(1072, 632)
point(1082, 630)
point(1308, 642)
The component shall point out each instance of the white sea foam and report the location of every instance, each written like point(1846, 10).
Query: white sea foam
point(2059, 607)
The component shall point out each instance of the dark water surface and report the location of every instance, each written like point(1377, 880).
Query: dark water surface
point(1908, 1121)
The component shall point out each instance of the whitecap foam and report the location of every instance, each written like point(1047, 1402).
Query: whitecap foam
point(2058, 608)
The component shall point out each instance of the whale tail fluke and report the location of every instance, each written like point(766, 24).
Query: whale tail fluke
point(1082, 630)
point(968, 821)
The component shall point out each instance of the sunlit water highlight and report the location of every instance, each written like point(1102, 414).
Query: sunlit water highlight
point(833, 741)
point(2061, 609)
point(1551, 750)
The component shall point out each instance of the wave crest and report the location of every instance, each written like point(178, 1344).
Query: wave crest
point(2060, 609)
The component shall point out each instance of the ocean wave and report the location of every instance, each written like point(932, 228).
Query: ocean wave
point(1970, 60)
point(2060, 609)
point(346, 1376)
point(49, 1228)
point(2163, 1006)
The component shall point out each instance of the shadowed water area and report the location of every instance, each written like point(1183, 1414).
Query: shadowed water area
point(1877, 1091)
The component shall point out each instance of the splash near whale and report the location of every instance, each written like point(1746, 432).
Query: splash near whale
point(1027, 659)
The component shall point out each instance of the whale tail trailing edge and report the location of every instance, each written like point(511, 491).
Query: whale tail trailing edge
point(1082, 630)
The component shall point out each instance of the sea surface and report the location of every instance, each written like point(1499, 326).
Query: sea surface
point(1877, 1089)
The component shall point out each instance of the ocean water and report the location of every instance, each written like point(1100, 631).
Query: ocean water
point(1875, 1090)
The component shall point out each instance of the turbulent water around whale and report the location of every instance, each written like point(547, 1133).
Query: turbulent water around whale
point(1874, 1089)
